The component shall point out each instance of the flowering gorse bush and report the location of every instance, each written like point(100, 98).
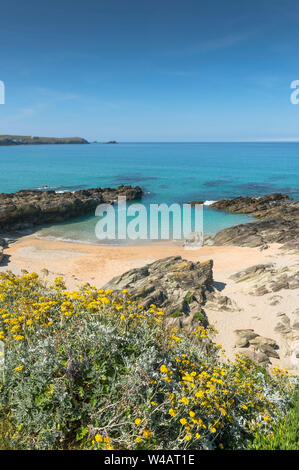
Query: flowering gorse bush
point(92, 369)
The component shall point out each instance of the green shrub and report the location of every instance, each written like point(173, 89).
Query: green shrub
point(176, 314)
point(285, 434)
point(200, 317)
point(92, 369)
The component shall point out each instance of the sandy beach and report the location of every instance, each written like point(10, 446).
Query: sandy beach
point(97, 264)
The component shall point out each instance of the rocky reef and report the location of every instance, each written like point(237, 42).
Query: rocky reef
point(31, 140)
point(279, 222)
point(28, 208)
point(259, 207)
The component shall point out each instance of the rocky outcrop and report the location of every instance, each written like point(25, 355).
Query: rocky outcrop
point(261, 233)
point(28, 208)
point(31, 140)
point(279, 224)
point(259, 207)
point(288, 328)
point(256, 347)
point(262, 279)
point(177, 286)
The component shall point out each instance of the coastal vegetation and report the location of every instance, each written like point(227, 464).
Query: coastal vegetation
point(95, 369)
point(285, 435)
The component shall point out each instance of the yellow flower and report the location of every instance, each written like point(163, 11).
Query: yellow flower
point(192, 414)
point(109, 447)
point(147, 433)
point(213, 430)
point(19, 368)
point(185, 400)
point(137, 421)
point(183, 421)
point(154, 403)
point(188, 437)
point(197, 435)
point(19, 337)
point(138, 439)
point(98, 438)
point(172, 412)
point(163, 368)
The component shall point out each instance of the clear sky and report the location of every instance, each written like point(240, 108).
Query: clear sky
point(168, 70)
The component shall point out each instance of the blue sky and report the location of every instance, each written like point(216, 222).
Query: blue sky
point(150, 70)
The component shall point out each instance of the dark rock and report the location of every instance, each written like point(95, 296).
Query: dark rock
point(256, 206)
point(280, 222)
point(193, 203)
point(28, 208)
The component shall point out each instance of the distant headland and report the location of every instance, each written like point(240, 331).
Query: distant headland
point(31, 140)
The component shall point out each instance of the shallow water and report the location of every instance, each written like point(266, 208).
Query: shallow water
point(168, 172)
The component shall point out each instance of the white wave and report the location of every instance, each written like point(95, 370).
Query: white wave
point(208, 203)
point(64, 191)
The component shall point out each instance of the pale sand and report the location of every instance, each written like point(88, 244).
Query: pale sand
point(96, 264)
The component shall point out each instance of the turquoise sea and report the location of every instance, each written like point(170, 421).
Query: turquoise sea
point(167, 172)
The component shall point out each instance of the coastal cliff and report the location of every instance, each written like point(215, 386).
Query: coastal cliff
point(31, 140)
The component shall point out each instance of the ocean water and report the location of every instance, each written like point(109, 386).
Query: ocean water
point(167, 172)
